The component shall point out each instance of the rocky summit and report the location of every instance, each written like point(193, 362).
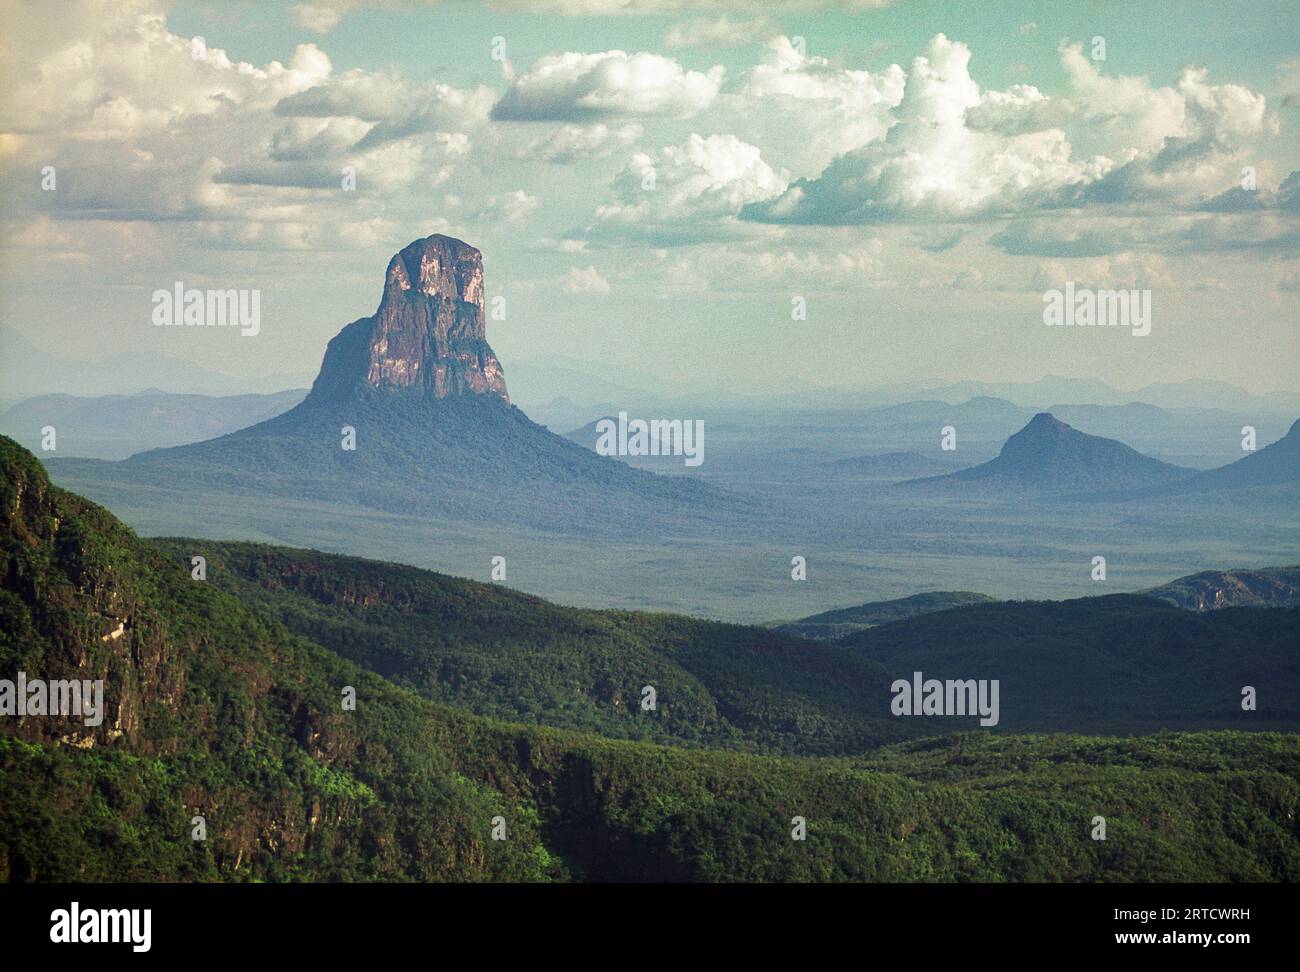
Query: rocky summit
point(428, 336)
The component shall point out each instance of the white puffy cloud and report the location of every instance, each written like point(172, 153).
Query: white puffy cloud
point(1120, 163)
point(1125, 115)
point(953, 152)
point(932, 163)
point(1182, 142)
point(701, 179)
point(810, 110)
point(118, 72)
point(1021, 108)
point(1181, 149)
point(163, 111)
point(585, 87)
point(397, 108)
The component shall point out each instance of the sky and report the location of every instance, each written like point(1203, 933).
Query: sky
point(752, 197)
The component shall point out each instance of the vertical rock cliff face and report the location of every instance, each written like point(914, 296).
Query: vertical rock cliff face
point(428, 336)
point(73, 607)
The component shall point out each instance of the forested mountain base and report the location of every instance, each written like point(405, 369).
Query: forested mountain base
point(214, 709)
point(1187, 807)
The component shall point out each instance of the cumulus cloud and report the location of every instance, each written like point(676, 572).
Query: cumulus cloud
point(1179, 142)
point(1176, 186)
point(585, 87)
point(701, 179)
point(1126, 116)
point(118, 73)
point(323, 16)
point(161, 109)
point(397, 108)
point(932, 163)
point(810, 109)
point(1121, 163)
point(1021, 108)
point(946, 150)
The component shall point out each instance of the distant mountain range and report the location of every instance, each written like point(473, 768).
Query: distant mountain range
point(565, 392)
point(873, 442)
point(588, 384)
point(1193, 393)
point(1096, 664)
point(26, 371)
point(117, 426)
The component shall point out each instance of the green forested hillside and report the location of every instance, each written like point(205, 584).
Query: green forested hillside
point(216, 708)
point(211, 709)
point(1117, 664)
point(513, 656)
point(1120, 663)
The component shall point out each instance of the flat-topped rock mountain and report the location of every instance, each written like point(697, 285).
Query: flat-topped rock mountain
point(429, 335)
